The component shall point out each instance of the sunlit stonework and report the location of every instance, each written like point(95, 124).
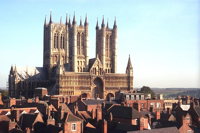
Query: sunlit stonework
point(67, 69)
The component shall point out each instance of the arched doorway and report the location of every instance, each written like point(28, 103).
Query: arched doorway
point(97, 91)
point(109, 96)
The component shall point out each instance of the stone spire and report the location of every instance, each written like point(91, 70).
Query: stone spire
point(129, 67)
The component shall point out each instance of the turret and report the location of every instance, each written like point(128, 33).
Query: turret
point(129, 72)
point(129, 68)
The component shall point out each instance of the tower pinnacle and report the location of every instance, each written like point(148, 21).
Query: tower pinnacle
point(107, 25)
point(97, 25)
point(69, 22)
point(66, 21)
point(103, 25)
point(50, 20)
point(80, 21)
point(45, 21)
point(115, 24)
point(74, 19)
point(60, 20)
point(86, 21)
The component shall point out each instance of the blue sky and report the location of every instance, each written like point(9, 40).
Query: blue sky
point(161, 36)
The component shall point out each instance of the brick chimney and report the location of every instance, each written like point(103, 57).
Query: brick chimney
point(1, 102)
point(93, 114)
point(37, 99)
point(50, 120)
point(12, 101)
point(15, 114)
point(141, 123)
point(98, 113)
point(137, 106)
point(157, 115)
point(168, 111)
point(105, 126)
point(12, 125)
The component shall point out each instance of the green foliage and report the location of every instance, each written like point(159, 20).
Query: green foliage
point(147, 90)
point(193, 93)
point(4, 92)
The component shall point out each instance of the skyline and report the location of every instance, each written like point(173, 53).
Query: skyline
point(161, 37)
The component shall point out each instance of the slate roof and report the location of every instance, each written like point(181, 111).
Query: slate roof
point(158, 130)
point(93, 101)
point(97, 101)
point(197, 110)
point(124, 112)
point(30, 73)
point(27, 120)
point(91, 62)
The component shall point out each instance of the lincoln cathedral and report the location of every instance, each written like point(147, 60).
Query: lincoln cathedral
point(67, 69)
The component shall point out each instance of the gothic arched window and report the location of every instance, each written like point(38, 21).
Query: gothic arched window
point(82, 44)
point(63, 42)
point(55, 40)
point(107, 50)
point(78, 43)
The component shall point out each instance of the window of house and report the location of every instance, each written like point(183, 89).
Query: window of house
point(189, 131)
point(73, 126)
point(127, 97)
point(132, 97)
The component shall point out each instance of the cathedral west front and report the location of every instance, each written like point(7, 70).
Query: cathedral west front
point(67, 68)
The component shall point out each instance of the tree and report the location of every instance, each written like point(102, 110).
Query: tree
point(147, 90)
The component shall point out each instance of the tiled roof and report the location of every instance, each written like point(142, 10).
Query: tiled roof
point(72, 118)
point(158, 130)
point(124, 112)
point(4, 118)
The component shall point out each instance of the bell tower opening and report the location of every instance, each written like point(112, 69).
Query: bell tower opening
point(97, 91)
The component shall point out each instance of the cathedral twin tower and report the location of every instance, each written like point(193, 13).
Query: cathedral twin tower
point(68, 44)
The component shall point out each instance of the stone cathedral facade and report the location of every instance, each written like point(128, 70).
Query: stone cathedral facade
point(67, 69)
